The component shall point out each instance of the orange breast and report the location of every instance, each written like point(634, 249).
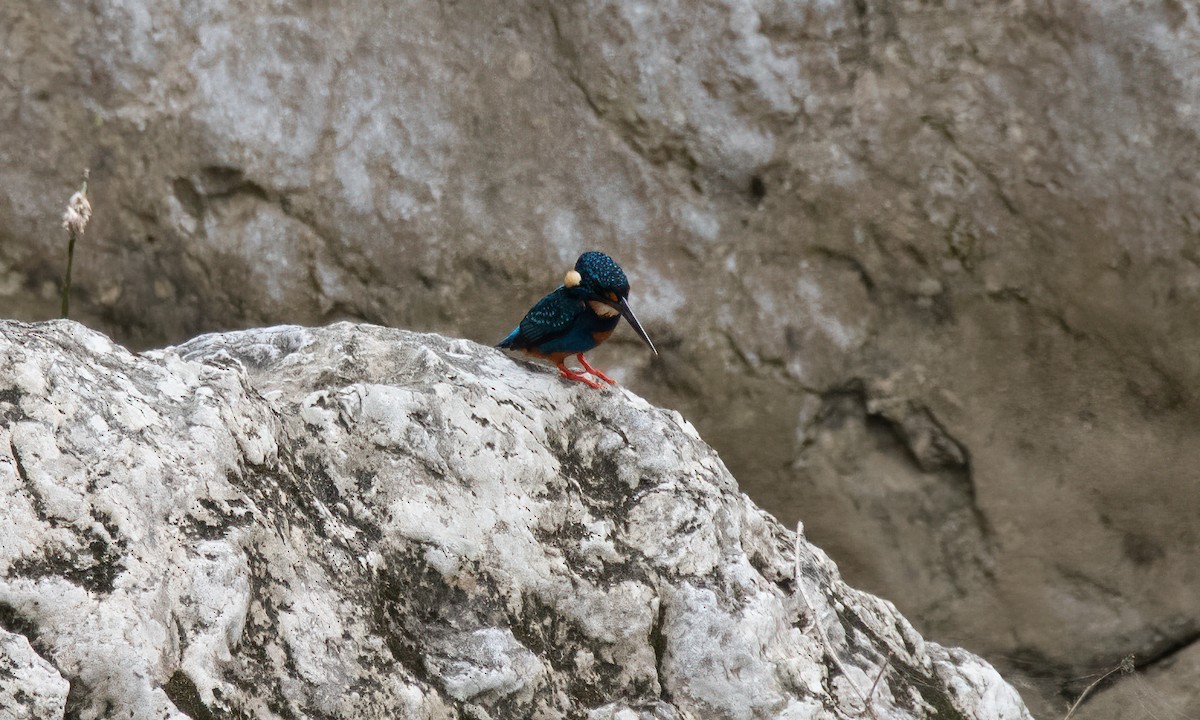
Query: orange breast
point(600, 337)
point(554, 357)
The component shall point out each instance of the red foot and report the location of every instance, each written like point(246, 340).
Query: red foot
point(594, 371)
point(570, 374)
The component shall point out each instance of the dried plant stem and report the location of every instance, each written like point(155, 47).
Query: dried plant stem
point(1125, 666)
point(887, 661)
point(66, 288)
point(825, 644)
point(75, 220)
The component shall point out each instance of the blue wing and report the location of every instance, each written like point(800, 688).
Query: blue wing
point(551, 318)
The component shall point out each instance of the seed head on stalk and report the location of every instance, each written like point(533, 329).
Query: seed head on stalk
point(75, 221)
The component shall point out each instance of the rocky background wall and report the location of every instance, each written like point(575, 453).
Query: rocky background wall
point(926, 274)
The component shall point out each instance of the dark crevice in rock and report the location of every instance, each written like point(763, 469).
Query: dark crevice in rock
point(658, 640)
point(1169, 651)
point(100, 575)
point(928, 443)
point(1164, 655)
point(183, 693)
point(39, 505)
point(189, 197)
point(955, 460)
point(852, 262)
point(216, 182)
point(758, 190)
point(863, 18)
point(863, 28)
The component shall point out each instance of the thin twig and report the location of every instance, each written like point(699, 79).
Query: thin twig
point(1125, 666)
point(887, 662)
point(66, 289)
point(828, 646)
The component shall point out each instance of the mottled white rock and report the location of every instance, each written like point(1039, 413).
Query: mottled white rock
point(358, 522)
point(30, 687)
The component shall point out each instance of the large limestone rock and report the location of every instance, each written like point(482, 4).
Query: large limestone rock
point(925, 273)
point(357, 522)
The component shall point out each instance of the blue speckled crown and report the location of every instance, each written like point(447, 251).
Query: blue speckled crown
point(598, 271)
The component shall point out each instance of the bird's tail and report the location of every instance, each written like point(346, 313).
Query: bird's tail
point(510, 342)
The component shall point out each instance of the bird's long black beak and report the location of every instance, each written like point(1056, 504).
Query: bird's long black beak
point(627, 313)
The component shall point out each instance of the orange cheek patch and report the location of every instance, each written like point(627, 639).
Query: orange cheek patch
point(604, 311)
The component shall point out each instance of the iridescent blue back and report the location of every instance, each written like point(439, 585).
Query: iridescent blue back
point(559, 323)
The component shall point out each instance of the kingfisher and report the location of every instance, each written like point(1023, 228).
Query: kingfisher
point(578, 316)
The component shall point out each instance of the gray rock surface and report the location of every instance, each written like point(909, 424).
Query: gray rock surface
point(358, 522)
point(925, 273)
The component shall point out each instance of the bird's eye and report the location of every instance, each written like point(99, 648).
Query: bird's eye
point(572, 279)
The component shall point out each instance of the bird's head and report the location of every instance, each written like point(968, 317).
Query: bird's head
point(601, 282)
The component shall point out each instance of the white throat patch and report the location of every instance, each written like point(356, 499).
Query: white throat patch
point(602, 309)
